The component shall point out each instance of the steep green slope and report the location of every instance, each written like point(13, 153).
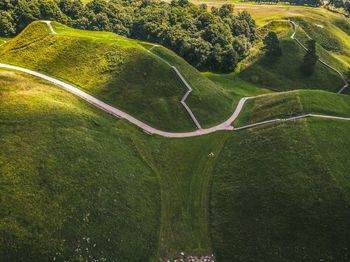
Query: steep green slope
point(281, 193)
point(72, 184)
point(119, 71)
point(205, 92)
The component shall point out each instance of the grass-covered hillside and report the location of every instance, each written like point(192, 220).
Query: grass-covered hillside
point(72, 177)
point(72, 184)
point(281, 192)
point(120, 72)
point(77, 182)
point(285, 74)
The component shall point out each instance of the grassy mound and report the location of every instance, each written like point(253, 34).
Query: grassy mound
point(282, 193)
point(293, 103)
point(285, 74)
point(120, 72)
point(72, 185)
point(71, 172)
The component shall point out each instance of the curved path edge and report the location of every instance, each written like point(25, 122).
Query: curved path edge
point(183, 80)
point(121, 114)
point(227, 125)
point(150, 130)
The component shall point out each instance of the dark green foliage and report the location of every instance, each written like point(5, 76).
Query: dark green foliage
point(272, 46)
point(6, 24)
point(347, 7)
point(345, 4)
point(310, 58)
point(209, 41)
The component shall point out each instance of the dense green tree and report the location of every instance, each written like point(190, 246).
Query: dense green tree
point(225, 10)
point(72, 8)
point(310, 58)
point(272, 46)
point(7, 27)
point(347, 7)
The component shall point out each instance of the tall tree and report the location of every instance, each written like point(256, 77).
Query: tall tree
point(310, 58)
point(272, 46)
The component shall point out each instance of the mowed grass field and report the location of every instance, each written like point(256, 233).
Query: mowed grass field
point(121, 72)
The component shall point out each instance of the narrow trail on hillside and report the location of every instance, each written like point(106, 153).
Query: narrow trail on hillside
point(224, 126)
point(187, 85)
point(346, 84)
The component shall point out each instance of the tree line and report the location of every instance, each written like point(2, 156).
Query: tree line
point(344, 4)
point(215, 39)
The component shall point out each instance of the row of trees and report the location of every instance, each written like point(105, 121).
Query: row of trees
point(293, 2)
point(215, 40)
point(345, 4)
point(273, 51)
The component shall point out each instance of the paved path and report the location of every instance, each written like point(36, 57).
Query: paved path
point(120, 114)
point(187, 85)
point(346, 84)
point(50, 26)
point(294, 118)
point(227, 125)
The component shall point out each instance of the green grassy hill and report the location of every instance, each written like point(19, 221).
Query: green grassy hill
point(79, 184)
point(121, 72)
point(70, 172)
point(330, 30)
point(72, 184)
point(285, 74)
point(282, 193)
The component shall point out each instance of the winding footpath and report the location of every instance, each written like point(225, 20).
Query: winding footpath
point(346, 84)
point(227, 125)
point(187, 85)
